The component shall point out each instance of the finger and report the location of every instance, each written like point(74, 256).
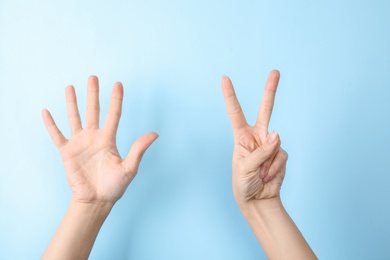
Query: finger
point(73, 111)
point(233, 107)
point(93, 107)
point(115, 108)
point(267, 103)
point(278, 165)
point(55, 133)
point(264, 168)
point(136, 152)
point(263, 153)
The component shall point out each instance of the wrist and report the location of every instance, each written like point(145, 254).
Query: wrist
point(78, 230)
point(275, 229)
point(256, 208)
point(96, 210)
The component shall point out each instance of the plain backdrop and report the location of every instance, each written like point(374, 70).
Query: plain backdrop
point(332, 113)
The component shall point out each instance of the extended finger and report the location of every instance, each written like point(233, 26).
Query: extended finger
point(278, 165)
point(73, 111)
point(233, 107)
point(115, 108)
point(136, 152)
point(267, 103)
point(93, 107)
point(55, 133)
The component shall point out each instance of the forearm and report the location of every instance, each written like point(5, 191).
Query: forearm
point(78, 230)
point(275, 230)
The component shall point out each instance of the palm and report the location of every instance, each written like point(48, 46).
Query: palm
point(248, 182)
point(94, 169)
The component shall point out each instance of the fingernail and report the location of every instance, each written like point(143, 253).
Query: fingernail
point(266, 179)
point(263, 171)
point(272, 137)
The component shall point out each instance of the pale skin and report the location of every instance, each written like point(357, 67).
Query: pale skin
point(96, 173)
point(98, 176)
point(258, 170)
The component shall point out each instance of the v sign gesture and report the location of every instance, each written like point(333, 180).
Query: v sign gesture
point(258, 162)
point(259, 165)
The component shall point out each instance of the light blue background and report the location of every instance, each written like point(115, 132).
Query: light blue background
point(332, 112)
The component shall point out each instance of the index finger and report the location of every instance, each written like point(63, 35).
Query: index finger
point(233, 107)
point(267, 103)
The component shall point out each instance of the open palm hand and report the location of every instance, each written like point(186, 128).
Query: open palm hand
point(94, 169)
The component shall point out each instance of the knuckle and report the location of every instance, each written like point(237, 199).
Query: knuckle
point(267, 107)
point(235, 110)
point(115, 113)
point(263, 149)
point(248, 142)
point(272, 170)
point(284, 155)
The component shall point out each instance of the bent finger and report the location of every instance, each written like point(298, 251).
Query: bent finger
point(264, 152)
point(278, 165)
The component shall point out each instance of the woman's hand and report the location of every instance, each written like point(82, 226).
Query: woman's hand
point(94, 169)
point(258, 161)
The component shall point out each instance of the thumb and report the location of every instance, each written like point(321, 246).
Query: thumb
point(136, 152)
point(264, 152)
